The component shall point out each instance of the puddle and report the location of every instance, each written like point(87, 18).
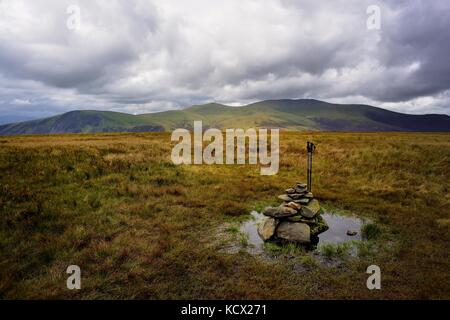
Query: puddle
point(250, 229)
point(337, 232)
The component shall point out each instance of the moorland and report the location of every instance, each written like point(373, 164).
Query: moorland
point(141, 227)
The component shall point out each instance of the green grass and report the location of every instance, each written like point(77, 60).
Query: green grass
point(140, 227)
point(233, 229)
point(370, 231)
point(340, 250)
point(243, 238)
point(286, 114)
point(289, 249)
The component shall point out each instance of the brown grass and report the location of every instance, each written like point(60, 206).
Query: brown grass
point(140, 227)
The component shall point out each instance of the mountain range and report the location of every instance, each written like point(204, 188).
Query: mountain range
point(301, 114)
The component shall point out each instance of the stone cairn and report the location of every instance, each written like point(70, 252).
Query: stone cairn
point(298, 219)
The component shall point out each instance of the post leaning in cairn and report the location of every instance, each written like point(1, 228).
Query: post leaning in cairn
point(298, 219)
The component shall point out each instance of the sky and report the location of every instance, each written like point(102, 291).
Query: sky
point(146, 56)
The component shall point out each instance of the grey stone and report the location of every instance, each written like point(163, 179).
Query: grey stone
point(296, 196)
point(270, 211)
point(280, 212)
point(267, 228)
point(352, 232)
point(310, 210)
point(301, 185)
point(302, 201)
point(300, 190)
point(299, 218)
point(309, 195)
point(285, 211)
point(296, 232)
point(294, 205)
point(290, 190)
point(285, 197)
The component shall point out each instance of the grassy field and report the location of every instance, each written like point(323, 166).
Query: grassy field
point(142, 228)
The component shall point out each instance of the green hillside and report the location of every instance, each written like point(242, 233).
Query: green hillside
point(284, 114)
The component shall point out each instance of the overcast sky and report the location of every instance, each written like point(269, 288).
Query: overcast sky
point(146, 56)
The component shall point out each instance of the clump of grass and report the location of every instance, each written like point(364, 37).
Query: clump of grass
point(243, 239)
point(370, 231)
point(290, 249)
point(272, 248)
point(443, 223)
point(365, 248)
point(94, 201)
point(233, 229)
point(232, 208)
point(260, 206)
point(335, 249)
point(237, 235)
point(308, 259)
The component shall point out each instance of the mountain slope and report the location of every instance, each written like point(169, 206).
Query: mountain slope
point(285, 114)
point(80, 121)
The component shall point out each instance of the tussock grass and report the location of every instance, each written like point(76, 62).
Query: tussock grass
point(140, 227)
point(370, 231)
point(335, 249)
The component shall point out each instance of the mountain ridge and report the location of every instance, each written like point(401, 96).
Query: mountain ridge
point(286, 114)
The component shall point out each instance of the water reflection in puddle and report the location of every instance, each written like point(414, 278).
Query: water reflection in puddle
point(337, 232)
point(250, 229)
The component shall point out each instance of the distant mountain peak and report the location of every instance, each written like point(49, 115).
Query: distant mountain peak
point(286, 114)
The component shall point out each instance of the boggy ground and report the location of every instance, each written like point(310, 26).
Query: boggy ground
point(141, 227)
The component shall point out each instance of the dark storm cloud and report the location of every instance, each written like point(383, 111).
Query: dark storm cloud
point(141, 56)
point(418, 35)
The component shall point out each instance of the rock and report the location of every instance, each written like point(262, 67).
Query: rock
point(300, 190)
point(290, 190)
point(296, 196)
point(311, 209)
point(285, 197)
point(302, 201)
point(308, 195)
point(301, 185)
point(280, 212)
point(270, 212)
point(319, 227)
point(285, 211)
point(299, 218)
point(267, 229)
point(352, 233)
point(291, 231)
point(294, 205)
point(296, 218)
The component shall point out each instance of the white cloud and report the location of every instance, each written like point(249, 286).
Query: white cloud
point(143, 56)
point(21, 102)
